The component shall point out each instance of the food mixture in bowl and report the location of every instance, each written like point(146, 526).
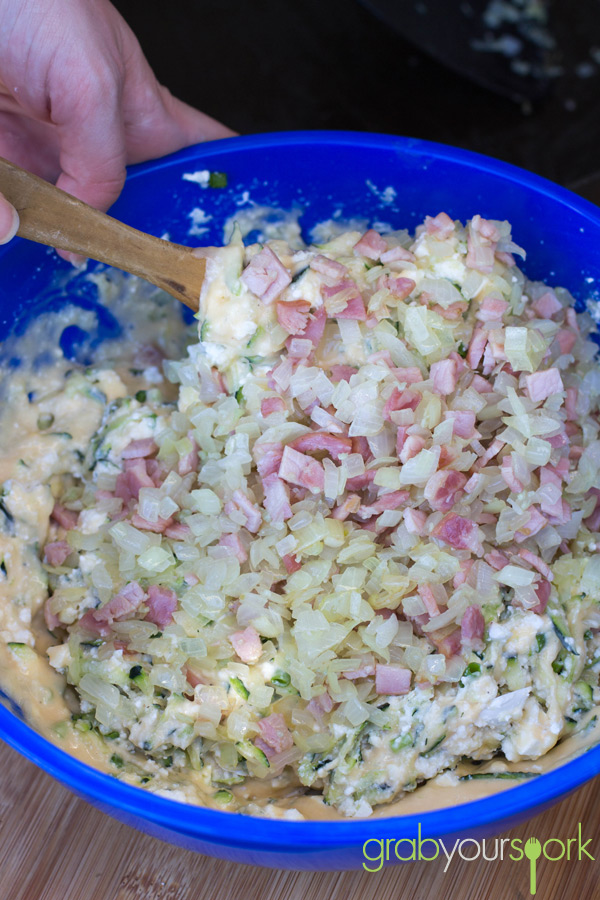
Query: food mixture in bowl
point(345, 546)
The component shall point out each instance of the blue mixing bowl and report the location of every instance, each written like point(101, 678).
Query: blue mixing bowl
point(386, 179)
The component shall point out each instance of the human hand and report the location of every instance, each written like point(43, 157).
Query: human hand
point(9, 221)
point(79, 101)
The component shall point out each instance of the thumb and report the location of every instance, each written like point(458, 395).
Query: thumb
point(9, 220)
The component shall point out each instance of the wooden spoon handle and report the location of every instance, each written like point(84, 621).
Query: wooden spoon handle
point(50, 216)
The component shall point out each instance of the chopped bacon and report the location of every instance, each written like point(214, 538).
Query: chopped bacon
point(399, 287)
point(66, 518)
point(189, 461)
point(271, 405)
point(350, 505)
point(547, 305)
point(392, 500)
point(571, 403)
point(481, 385)
point(444, 376)
point(137, 476)
point(397, 254)
point(362, 672)
point(392, 680)
point(408, 374)
point(233, 542)
point(492, 309)
point(320, 704)
point(161, 603)
point(140, 447)
point(542, 385)
point(413, 444)
point(371, 245)
point(414, 520)
point(452, 312)
point(267, 456)
point(463, 422)
point(122, 604)
point(443, 489)
point(458, 532)
point(496, 559)
point(429, 601)
point(93, 626)
point(440, 226)
point(178, 531)
point(314, 441)
point(277, 498)
point(465, 567)
point(342, 372)
point(481, 244)
point(293, 315)
point(361, 481)
point(250, 510)
point(508, 473)
point(247, 644)
point(275, 732)
point(158, 527)
point(193, 678)
point(449, 644)
point(477, 345)
point(266, 276)
point(537, 562)
point(399, 399)
point(535, 523)
point(316, 326)
point(566, 340)
point(354, 309)
point(542, 590)
point(297, 468)
point(291, 563)
point(330, 268)
point(156, 470)
point(472, 627)
point(56, 552)
point(492, 451)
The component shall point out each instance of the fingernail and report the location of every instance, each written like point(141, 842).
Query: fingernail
point(74, 258)
point(13, 228)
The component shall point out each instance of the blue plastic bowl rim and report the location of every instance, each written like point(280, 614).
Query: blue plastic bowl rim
point(229, 829)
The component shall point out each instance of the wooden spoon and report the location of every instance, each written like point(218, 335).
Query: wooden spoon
point(50, 216)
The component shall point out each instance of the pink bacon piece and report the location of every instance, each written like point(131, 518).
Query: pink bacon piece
point(547, 305)
point(399, 287)
point(472, 627)
point(266, 276)
point(56, 552)
point(158, 527)
point(122, 604)
point(189, 461)
point(330, 268)
point(542, 385)
point(66, 518)
point(443, 489)
point(275, 732)
point(297, 468)
point(314, 441)
point(444, 375)
point(249, 509)
point(291, 563)
point(440, 226)
point(161, 603)
point(277, 498)
point(137, 477)
point(392, 680)
point(371, 245)
point(267, 457)
point(458, 532)
point(292, 315)
point(233, 542)
point(140, 448)
point(247, 644)
point(271, 405)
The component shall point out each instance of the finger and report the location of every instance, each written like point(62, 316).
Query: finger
point(29, 144)
point(90, 128)
point(9, 221)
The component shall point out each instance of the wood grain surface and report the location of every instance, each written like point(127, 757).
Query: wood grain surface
point(54, 846)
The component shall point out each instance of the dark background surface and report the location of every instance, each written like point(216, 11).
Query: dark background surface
point(273, 65)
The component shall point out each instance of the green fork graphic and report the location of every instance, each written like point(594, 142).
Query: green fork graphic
point(533, 850)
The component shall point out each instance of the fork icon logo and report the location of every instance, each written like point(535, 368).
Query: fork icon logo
point(532, 850)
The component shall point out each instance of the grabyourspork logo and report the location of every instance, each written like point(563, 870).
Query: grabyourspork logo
point(378, 851)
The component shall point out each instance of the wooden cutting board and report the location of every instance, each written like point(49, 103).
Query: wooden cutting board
point(54, 846)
